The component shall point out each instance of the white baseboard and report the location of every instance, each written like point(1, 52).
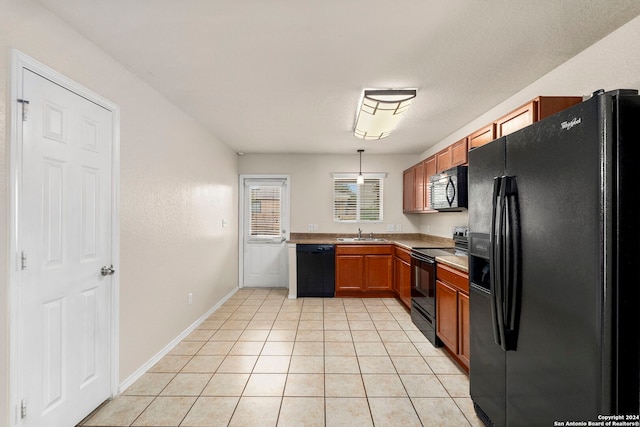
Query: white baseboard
point(155, 359)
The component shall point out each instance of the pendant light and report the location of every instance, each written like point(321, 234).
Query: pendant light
point(360, 179)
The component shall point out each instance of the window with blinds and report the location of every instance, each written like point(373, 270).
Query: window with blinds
point(357, 203)
point(264, 221)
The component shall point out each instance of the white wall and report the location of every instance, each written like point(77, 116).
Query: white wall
point(177, 184)
point(611, 63)
point(312, 187)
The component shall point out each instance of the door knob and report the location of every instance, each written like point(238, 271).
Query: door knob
point(107, 271)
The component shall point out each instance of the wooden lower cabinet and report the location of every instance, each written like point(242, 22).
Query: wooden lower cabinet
point(364, 270)
point(447, 315)
point(349, 273)
point(452, 311)
point(463, 328)
point(402, 279)
point(378, 272)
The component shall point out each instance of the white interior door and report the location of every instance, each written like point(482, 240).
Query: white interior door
point(265, 231)
point(64, 234)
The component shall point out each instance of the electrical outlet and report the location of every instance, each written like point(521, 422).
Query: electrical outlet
point(315, 227)
point(190, 298)
point(390, 227)
point(225, 223)
point(310, 227)
point(398, 227)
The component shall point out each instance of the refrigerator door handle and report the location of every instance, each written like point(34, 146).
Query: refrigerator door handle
point(512, 268)
point(495, 261)
point(503, 264)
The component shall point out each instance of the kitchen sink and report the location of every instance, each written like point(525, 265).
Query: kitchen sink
point(360, 239)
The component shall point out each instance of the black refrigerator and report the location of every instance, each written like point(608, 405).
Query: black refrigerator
point(553, 267)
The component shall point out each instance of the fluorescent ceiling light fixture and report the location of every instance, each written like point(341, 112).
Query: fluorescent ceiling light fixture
point(380, 111)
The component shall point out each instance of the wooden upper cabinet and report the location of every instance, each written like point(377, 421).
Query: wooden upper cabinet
point(453, 155)
point(459, 153)
point(533, 111)
point(418, 187)
point(415, 186)
point(529, 113)
point(482, 136)
point(517, 119)
point(408, 192)
point(443, 160)
point(429, 169)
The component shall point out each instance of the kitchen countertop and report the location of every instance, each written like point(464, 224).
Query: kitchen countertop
point(405, 240)
point(461, 262)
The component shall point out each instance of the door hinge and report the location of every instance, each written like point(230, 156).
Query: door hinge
point(23, 261)
point(25, 108)
point(23, 409)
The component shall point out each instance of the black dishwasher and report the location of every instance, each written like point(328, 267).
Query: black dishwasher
point(316, 266)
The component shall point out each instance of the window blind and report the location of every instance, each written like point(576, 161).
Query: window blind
point(357, 203)
point(265, 216)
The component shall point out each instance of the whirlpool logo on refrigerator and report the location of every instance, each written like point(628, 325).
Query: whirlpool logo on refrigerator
point(568, 125)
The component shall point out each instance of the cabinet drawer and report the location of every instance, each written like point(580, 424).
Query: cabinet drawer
point(402, 254)
point(364, 249)
point(454, 277)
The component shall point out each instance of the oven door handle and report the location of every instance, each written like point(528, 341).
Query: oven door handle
point(422, 258)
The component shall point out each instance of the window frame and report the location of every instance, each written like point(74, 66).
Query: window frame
point(350, 179)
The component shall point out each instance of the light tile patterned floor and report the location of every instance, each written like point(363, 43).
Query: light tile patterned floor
point(264, 360)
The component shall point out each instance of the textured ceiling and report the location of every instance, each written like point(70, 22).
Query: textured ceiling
point(285, 76)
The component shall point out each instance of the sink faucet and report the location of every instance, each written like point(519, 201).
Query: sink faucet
point(359, 233)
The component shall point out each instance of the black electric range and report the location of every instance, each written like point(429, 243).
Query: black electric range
point(423, 283)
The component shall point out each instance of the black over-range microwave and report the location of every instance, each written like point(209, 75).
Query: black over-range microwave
point(448, 190)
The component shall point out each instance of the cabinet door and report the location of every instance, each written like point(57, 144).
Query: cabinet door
point(463, 328)
point(482, 136)
point(443, 160)
point(517, 119)
point(378, 272)
point(447, 315)
point(404, 277)
point(418, 186)
point(459, 152)
point(408, 199)
point(349, 272)
point(430, 168)
point(396, 275)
